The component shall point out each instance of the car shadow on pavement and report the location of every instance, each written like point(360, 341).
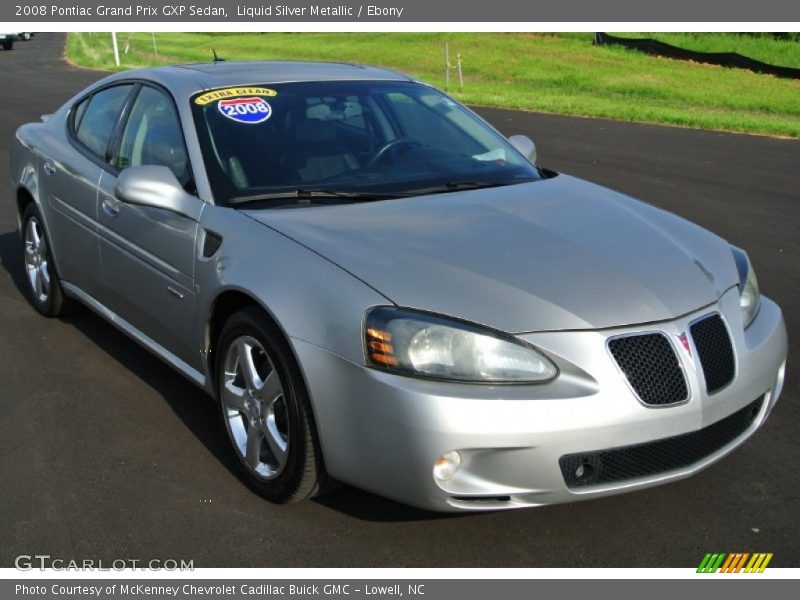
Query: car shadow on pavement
point(369, 507)
point(196, 410)
point(11, 259)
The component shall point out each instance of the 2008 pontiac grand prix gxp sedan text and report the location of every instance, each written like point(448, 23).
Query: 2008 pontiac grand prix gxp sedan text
point(382, 290)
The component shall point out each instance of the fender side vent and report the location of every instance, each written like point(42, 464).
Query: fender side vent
point(211, 244)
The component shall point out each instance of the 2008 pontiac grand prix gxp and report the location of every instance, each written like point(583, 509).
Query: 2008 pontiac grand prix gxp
point(380, 289)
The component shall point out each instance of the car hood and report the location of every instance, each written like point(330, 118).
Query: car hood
point(555, 254)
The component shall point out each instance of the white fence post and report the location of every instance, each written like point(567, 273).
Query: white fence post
point(116, 48)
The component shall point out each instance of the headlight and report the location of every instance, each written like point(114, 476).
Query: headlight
point(416, 343)
point(749, 294)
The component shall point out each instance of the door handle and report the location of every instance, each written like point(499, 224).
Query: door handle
point(49, 168)
point(110, 207)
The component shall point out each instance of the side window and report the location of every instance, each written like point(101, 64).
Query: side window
point(79, 110)
point(152, 135)
point(98, 119)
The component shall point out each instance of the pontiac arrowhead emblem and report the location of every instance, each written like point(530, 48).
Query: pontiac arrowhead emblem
point(684, 340)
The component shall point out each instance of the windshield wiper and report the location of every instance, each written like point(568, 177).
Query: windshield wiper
point(458, 186)
point(312, 194)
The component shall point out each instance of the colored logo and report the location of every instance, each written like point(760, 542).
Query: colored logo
point(736, 562)
point(684, 340)
point(246, 110)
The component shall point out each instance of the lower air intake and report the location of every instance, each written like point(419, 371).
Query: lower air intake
point(660, 456)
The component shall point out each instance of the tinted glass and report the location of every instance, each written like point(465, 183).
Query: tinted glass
point(100, 117)
point(348, 136)
point(79, 110)
point(152, 135)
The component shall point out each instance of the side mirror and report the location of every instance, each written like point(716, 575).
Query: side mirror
point(525, 145)
point(156, 186)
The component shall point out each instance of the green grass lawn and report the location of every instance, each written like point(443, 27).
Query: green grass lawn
point(560, 73)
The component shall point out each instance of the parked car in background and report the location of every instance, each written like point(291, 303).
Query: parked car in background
point(378, 288)
point(25, 36)
point(7, 40)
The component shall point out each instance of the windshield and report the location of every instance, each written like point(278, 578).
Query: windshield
point(351, 138)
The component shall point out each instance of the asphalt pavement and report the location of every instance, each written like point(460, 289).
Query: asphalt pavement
point(107, 453)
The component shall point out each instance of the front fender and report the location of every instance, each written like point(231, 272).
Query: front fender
point(310, 298)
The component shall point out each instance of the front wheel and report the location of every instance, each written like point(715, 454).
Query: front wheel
point(265, 410)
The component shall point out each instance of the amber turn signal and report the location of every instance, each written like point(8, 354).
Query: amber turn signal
point(380, 350)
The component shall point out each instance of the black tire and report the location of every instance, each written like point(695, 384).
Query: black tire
point(8, 44)
point(54, 303)
point(303, 474)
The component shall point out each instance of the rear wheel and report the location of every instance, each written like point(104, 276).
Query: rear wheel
point(8, 44)
point(265, 410)
point(44, 288)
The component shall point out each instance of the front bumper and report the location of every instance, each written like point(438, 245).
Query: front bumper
point(383, 432)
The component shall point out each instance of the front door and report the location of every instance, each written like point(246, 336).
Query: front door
point(148, 254)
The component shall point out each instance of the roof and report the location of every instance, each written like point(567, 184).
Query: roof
point(190, 78)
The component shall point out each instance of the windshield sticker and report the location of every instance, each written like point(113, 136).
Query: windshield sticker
point(246, 110)
point(233, 93)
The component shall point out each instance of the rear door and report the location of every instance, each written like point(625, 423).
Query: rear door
point(147, 253)
point(69, 178)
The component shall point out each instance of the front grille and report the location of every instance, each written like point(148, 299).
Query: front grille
point(651, 458)
point(715, 351)
point(651, 367)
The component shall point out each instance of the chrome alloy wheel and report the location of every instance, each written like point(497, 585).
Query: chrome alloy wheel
point(36, 263)
point(255, 408)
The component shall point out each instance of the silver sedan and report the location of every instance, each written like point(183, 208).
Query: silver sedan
point(380, 289)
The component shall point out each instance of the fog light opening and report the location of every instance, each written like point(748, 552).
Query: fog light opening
point(447, 465)
point(584, 471)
